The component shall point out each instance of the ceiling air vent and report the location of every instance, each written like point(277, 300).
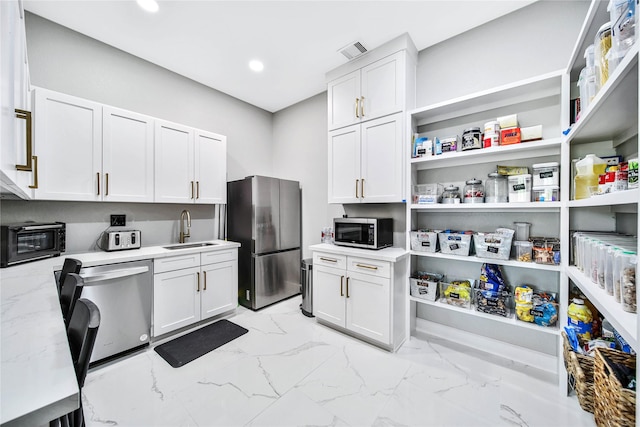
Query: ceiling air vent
point(353, 50)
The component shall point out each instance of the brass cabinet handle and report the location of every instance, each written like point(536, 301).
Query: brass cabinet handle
point(362, 106)
point(98, 175)
point(106, 183)
point(192, 189)
point(347, 287)
point(370, 267)
point(26, 115)
point(328, 259)
point(198, 282)
point(341, 289)
point(35, 172)
point(362, 188)
point(357, 180)
point(205, 280)
point(357, 101)
point(197, 189)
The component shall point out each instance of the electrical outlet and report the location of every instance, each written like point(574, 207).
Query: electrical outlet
point(118, 220)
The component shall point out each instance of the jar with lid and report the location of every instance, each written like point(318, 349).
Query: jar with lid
point(451, 194)
point(602, 45)
point(628, 263)
point(474, 191)
point(497, 189)
point(471, 139)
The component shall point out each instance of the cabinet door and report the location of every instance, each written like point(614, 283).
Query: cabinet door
point(328, 295)
point(68, 143)
point(368, 306)
point(14, 93)
point(210, 167)
point(343, 96)
point(176, 300)
point(127, 156)
point(382, 160)
point(344, 165)
point(219, 288)
point(174, 182)
point(382, 87)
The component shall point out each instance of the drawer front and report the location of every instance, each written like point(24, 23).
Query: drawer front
point(369, 266)
point(330, 260)
point(160, 265)
point(218, 256)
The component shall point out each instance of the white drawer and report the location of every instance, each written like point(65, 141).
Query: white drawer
point(160, 265)
point(218, 256)
point(330, 260)
point(369, 266)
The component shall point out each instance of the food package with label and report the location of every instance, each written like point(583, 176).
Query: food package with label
point(492, 302)
point(510, 136)
point(512, 170)
point(450, 144)
point(536, 307)
point(546, 250)
point(457, 292)
point(425, 285)
point(531, 133)
point(422, 147)
point(509, 121)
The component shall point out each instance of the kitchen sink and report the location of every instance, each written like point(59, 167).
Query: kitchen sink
point(189, 245)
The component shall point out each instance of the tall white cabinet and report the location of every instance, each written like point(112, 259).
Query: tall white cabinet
point(367, 98)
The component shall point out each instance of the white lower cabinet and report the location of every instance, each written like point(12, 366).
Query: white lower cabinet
point(359, 295)
point(191, 288)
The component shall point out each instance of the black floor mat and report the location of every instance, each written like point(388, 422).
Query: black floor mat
point(189, 347)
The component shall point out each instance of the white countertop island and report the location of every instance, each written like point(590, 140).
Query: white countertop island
point(37, 378)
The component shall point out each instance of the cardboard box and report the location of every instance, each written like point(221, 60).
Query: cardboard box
point(510, 136)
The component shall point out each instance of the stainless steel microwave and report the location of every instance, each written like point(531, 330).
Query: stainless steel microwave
point(31, 241)
point(368, 233)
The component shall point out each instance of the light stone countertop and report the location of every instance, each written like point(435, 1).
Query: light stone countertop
point(37, 378)
point(386, 254)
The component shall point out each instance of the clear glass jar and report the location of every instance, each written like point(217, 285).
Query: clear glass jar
point(474, 191)
point(451, 194)
point(628, 264)
point(497, 188)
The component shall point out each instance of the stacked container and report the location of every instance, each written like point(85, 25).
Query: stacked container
point(546, 182)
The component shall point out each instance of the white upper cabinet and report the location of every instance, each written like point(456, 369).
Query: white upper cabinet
point(374, 91)
point(127, 156)
point(190, 165)
point(174, 163)
point(210, 167)
point(68, 144)
point(16, 161)
point(365, 162)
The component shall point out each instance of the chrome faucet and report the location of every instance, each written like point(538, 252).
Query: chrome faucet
point(183, 235)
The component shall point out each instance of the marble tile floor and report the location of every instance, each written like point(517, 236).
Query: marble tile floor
point(290, 371)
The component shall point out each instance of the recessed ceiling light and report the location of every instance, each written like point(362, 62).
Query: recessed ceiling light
point(256, 65)
point(148, 5)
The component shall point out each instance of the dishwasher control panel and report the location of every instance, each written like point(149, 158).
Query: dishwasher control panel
point(120, 240)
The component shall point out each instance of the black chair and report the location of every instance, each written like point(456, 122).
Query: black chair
point(70, 265)
point(82, 332)
point(69, 294)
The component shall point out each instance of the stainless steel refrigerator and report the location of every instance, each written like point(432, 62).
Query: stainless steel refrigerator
point(264, 216)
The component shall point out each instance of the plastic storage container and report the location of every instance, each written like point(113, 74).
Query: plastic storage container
point(493, 302)
point(602, 43)
point(587, 86)
point(623, 23)
point(519, 188)
point(494, 245)
point(522, 230)
point(455, 242)
point(496, 188)
point(451, 194)
point(474, 191)
point(427, 193)
point(546, 174)
point(545, 194)
point(629, 261)
point(588, 171)
point(424, 241)
point(524, 251)
point(457, 292)
point(471, 139)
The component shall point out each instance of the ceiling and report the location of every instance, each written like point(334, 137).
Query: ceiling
point(212, 42)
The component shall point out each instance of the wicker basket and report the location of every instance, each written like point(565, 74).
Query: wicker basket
point(615, 405)
point(580, 369)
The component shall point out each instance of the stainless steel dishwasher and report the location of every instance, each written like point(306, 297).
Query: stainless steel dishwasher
point(123, 293)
